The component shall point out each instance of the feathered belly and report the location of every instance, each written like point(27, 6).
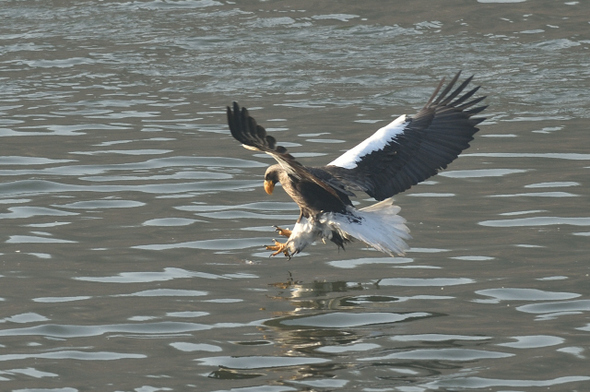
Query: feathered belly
point(377, 225)
point(306, 232)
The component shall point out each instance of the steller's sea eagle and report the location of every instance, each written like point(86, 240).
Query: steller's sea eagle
point(401, 154)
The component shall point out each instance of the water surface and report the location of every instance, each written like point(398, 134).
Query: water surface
point(132, 224)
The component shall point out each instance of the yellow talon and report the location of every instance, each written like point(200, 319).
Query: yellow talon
point(279, 247)
point(284, 232)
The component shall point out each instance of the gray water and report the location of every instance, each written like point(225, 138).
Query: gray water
point(132, 224)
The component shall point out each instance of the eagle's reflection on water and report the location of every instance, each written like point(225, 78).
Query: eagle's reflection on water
point(337, 321)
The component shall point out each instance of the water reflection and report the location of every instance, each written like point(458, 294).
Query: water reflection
point(328, 323)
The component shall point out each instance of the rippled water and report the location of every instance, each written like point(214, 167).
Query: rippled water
point(132, 224)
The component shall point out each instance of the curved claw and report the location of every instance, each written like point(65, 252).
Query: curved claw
point(284, 232)
point(279, 247)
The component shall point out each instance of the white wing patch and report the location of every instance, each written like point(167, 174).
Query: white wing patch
point(377, 141)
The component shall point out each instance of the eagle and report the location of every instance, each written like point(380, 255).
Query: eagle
point(403, 153)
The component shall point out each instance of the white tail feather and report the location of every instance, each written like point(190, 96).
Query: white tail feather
point(377, 225)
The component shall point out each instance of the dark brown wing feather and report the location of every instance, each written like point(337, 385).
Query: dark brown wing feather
point(244, 129)
point(431, 140)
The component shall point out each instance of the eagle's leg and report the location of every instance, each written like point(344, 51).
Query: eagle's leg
point(300, 216)
point(283, 232)
point(279, 247)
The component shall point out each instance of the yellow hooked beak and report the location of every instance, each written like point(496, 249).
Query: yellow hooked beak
point(269, 187)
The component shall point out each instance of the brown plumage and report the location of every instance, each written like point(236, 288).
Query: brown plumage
point(399, 155)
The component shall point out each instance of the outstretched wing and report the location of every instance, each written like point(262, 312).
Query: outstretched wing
point(244, 129)
point(411, 149)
